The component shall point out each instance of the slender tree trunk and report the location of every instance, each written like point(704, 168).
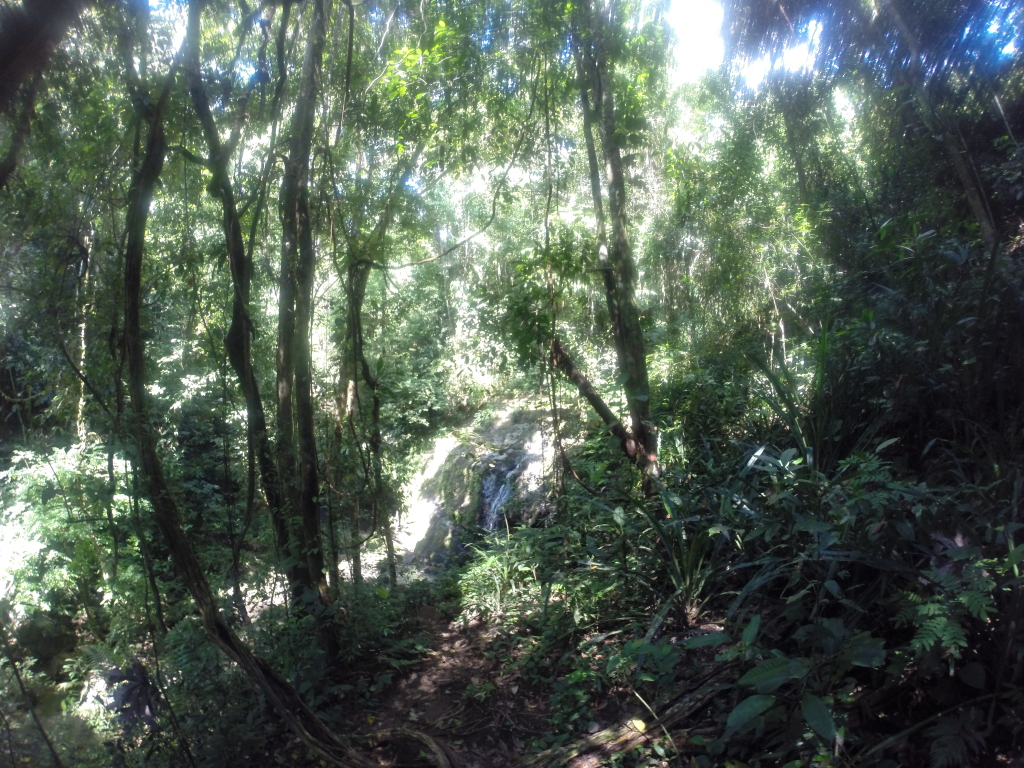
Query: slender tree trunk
point(563, 361)
point(381, 498)
point(22, 129)
point(785, 100)
point(355, 542)
point(346, 402)
point(298, 269)
point(279, 693)
point(361, 258)
point(333, 574)
point(147, 558)
point(238, 340)
point(357, 278)
point(615, 258)
point(83, 306)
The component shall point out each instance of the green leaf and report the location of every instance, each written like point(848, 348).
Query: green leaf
point(799, 667)
point(706, 641)
point(750, 633)
point(812, 526)
point(747, 710)
point(767, 676)
point(865, 650)
point(972, 674)
point(885, 444)
point(382, 593)
point(1015, 556)
point(817, 715)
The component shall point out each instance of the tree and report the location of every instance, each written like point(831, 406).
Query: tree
point(590, 49)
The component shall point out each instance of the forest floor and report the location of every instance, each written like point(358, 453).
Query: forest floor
point(459, 694)
point(482, 710)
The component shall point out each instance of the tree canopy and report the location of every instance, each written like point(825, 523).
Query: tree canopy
point(705, 392)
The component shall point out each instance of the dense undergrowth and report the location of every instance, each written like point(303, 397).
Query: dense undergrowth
point(826, 570)
point(836, 534)
point(833, 550)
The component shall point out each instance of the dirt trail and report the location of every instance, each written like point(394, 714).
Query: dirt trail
point(458, 695)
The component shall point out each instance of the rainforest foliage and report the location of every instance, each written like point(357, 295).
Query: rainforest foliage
point(258, 261)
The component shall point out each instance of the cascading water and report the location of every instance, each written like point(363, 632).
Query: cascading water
point(498, 488)
point(509, 474)
point(489, 474)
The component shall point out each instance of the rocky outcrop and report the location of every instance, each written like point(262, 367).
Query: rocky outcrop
point(478, 479)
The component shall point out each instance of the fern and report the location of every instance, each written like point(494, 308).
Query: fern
point(941, 618)
point(99, 657)
point(954, 741)
point(977, 597)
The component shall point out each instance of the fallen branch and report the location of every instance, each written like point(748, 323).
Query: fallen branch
point(624, 738)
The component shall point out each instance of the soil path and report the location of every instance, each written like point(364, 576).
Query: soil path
point(459, 696)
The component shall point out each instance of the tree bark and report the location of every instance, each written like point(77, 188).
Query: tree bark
point(615, 259)
point(22, 129)
point(279, 693)
point(238, 340)
point(298, 270)
point(562, 360)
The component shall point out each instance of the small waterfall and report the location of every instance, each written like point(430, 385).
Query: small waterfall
point(479, 475)
point(496, 492)
point(509, 474)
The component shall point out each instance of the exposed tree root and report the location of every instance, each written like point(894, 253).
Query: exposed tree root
point(441, 758)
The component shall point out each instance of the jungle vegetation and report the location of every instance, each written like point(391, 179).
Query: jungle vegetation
point(256, 257)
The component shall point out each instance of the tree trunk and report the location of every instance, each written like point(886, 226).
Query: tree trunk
point(362, 256)
point(22, 129)
point(615, 259)
point(294, 365)
point(238, 340)
point(786, 101)
point(279, 693)
point(345, 400)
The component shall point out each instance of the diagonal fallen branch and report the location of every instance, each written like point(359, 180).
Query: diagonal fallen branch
point(624, 738)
